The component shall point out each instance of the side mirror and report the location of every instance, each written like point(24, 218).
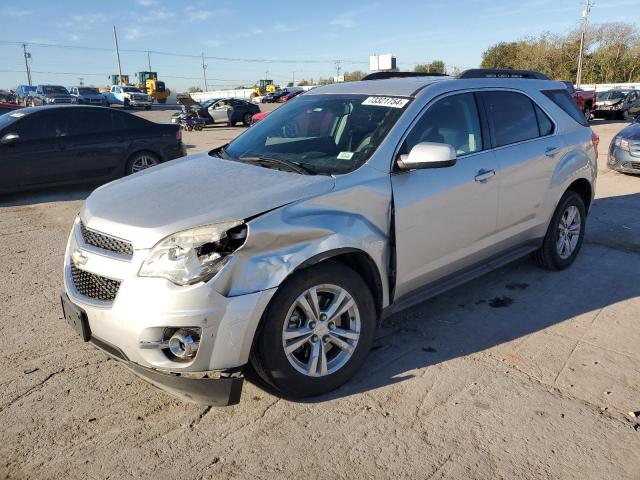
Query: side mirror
point(10, 139)
point(428, 155)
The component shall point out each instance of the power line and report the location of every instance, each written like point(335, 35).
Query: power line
point(185, 55)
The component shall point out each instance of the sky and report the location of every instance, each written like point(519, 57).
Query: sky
point(249, 40)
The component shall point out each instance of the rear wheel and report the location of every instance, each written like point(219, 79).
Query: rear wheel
point(317, 331)
point(246, 119)
point(565, 234)
point(141, 161)
point(587, 112)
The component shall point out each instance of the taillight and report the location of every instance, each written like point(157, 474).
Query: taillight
point(595, 140)
point(179, 134)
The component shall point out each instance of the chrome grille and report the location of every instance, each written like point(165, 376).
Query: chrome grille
point(105, 242)
point(61, 100)
point(94, 286)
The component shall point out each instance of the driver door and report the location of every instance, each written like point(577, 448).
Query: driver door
point(444, 217)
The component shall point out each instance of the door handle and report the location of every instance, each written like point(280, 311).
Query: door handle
point(551, 151)
point(484, 175)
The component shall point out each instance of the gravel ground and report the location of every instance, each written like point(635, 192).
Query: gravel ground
point(519, 374)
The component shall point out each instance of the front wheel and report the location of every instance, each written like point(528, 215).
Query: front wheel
point(587, 113)
point(317, 331)
point(565, 234)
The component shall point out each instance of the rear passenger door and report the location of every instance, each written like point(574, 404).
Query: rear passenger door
point(527, 151)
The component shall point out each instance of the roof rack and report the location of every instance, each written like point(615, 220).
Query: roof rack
point(385, 75)
point(502, 73)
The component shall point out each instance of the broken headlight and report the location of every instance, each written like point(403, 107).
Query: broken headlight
point(195, 255)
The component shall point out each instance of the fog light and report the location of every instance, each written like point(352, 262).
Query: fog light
point(184, 343)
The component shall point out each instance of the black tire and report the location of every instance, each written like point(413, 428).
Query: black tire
point(162, 101)
point(136, 156)
point(547, 256)
point(127, 103)
point(268, 357)
point(246, 119)
point(587, 113)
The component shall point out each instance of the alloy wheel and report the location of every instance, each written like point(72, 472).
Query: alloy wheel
point(321, 330)
point(143, 162)
point(568, 232)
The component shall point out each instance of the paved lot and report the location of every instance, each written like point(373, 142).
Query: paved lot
point(520, 374)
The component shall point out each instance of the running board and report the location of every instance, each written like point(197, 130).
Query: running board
point(440, 286)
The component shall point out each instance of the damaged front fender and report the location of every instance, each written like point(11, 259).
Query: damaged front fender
point(354, 217)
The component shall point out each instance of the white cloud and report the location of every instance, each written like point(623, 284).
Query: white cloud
point(284, 27)
point(147, 3)
point(13, 12)
point(135, 31)
point(343, 21)
point(349, 19)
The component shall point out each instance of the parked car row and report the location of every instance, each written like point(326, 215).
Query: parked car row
point(126, 95)
point(281, 96)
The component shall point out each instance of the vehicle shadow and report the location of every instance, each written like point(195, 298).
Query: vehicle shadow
point(47, 195)
point(607, 121)
point(507, 304)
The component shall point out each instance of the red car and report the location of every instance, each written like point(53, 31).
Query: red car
point(585, 100)
point(8, 107)
point(289, 96)
point(258, 116)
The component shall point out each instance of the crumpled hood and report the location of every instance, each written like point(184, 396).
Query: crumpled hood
point(192, 191)
point(608, 103)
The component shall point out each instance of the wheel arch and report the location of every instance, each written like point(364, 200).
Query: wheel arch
point(359, 261)
point(582, 187)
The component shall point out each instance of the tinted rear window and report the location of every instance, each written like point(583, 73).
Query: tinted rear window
point(511, 116)
point(562, 99)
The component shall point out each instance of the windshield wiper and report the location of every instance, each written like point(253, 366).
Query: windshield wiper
point(296, 167)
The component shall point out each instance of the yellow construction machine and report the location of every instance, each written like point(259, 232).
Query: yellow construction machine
point(263, 87)
point(148, 82)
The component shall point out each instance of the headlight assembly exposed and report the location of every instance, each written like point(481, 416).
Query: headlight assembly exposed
point(194, 255)
point(621, 143)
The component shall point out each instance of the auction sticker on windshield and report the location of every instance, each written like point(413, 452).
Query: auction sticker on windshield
point(393, 102)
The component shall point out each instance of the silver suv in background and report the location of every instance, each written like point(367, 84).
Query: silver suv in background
point(286, 247)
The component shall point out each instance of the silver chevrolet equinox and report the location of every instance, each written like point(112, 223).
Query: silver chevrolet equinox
point(286, 247)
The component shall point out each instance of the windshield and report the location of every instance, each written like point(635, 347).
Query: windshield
point(9, 118)
point(88, 91)
point(131, 89)
point(612, 95)
point(52, 89)
point(326, 134)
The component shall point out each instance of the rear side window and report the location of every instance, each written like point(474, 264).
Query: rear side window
point(511, 116)
point(562, 99)
point(544, 122)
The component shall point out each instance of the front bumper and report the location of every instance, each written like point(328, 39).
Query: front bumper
point(206, 388)
point(622, 161)
point(140, 103)
point(144, 308)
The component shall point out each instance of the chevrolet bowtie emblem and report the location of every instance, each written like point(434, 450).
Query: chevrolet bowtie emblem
point(77, 258)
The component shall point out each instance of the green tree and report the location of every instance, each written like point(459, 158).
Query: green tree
point(436, 66)
point(194, 89)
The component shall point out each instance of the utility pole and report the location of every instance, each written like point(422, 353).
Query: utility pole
point(27, 56)
point(337, 62)
point(115, 39)
point(204, 73)
point(81, 81)
point(585, 23)
point(149, 59)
